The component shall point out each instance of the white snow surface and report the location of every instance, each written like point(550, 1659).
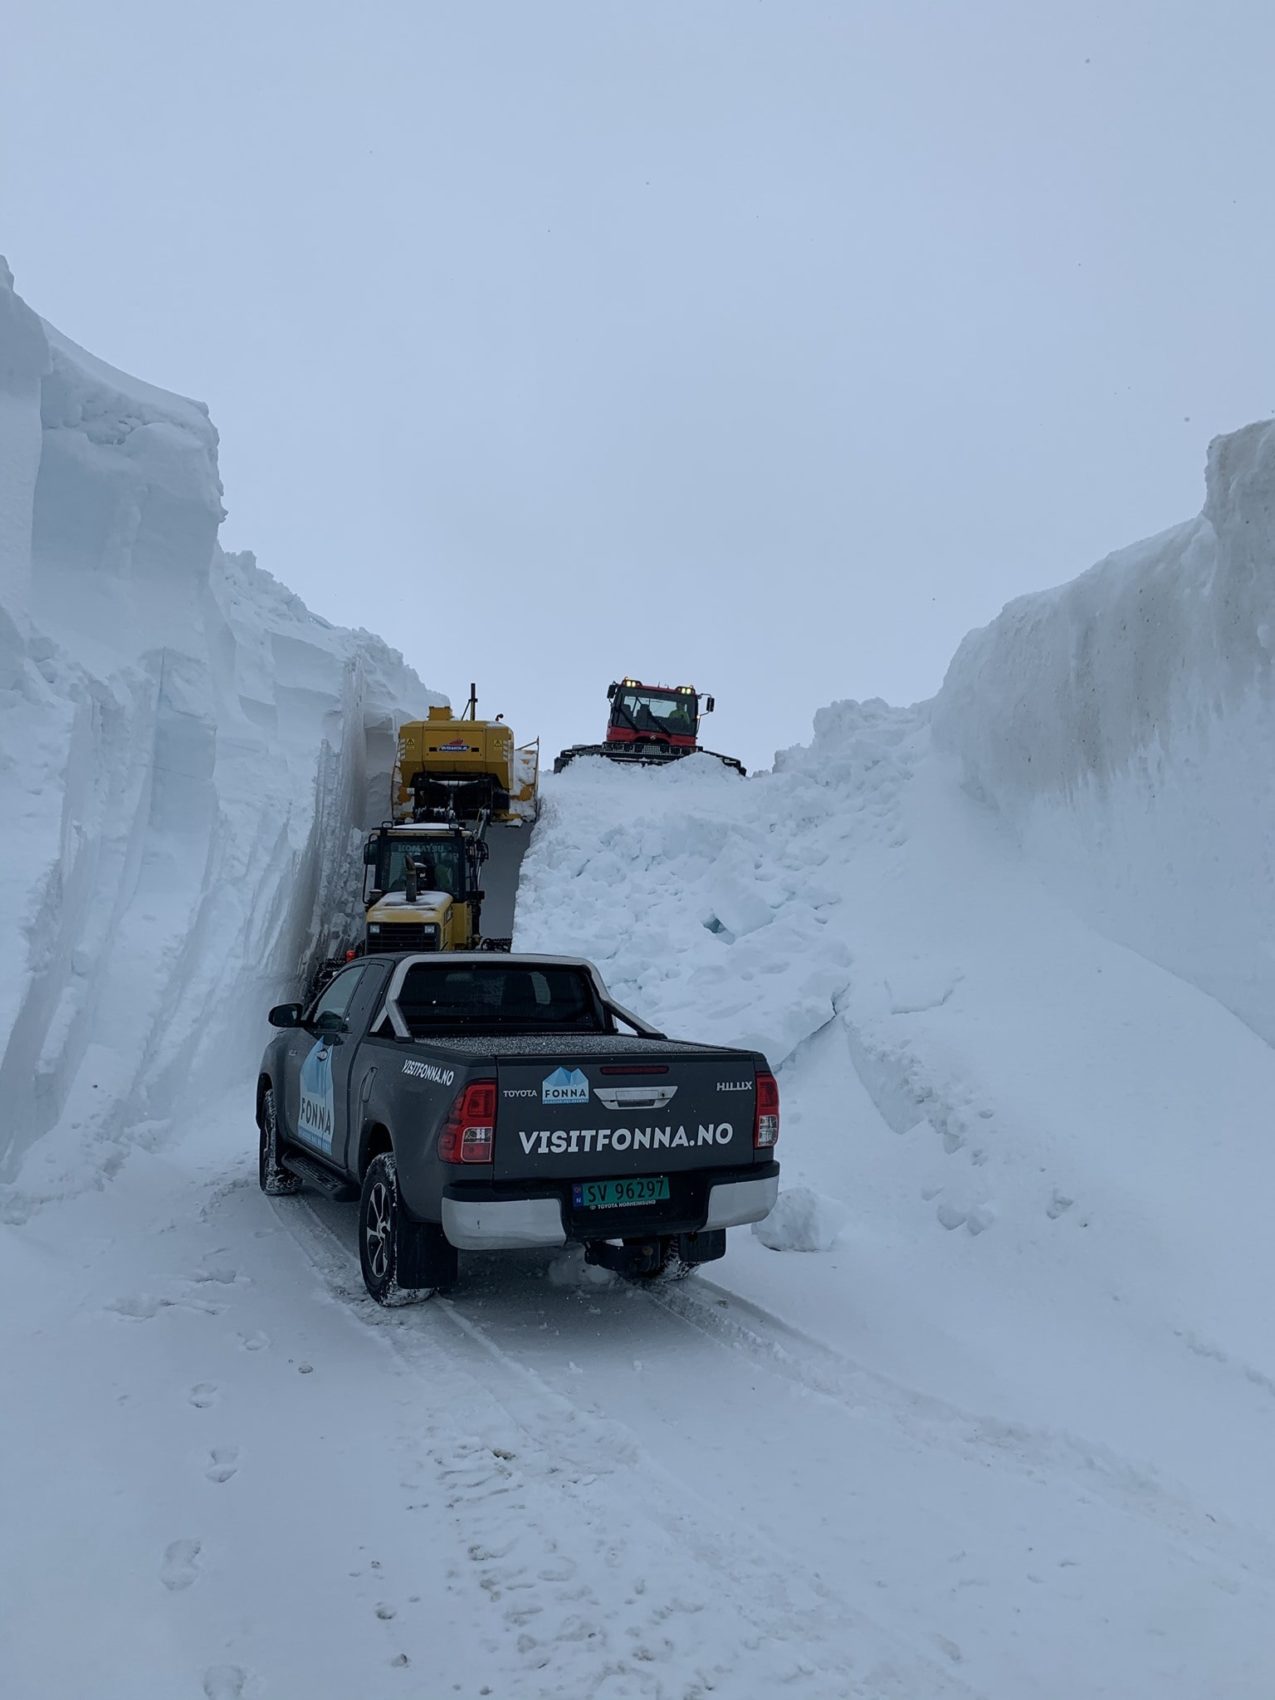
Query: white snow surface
point(1005, 1436)
point(186, 754)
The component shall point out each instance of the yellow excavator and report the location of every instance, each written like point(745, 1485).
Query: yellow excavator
point(458, 767)
point(455, 776)
point(422, 887)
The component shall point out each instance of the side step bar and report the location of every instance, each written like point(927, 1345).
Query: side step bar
point(316, 1175)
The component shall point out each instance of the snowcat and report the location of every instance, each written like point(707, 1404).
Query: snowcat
point(650, 724)
point(460, 767)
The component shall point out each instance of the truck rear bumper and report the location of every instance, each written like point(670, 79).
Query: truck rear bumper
point(731, 1203)
point(502, 1224)
point(511, 1221)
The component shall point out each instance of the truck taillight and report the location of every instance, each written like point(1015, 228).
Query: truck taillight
point(469, 1132)
point(766, 1126)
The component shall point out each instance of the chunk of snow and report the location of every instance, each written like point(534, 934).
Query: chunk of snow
point(802, 1220)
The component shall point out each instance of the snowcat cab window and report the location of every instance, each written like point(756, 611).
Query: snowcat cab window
point(545, 999)
point(441, 859)
point(655, 711)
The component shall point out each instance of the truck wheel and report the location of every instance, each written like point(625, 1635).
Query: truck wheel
point(274, 1179)
point(383, 1228)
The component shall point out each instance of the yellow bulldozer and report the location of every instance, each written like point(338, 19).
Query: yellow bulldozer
point(458, 767)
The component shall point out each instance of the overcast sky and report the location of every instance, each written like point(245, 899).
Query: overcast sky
point(764, 346)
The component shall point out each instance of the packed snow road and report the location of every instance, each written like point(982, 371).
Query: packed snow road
point(550, 1484)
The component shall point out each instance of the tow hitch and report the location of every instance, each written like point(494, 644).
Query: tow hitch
point(634, 1257)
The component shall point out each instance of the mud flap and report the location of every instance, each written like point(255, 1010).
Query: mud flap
point(424, 1256)
point(704, 1247)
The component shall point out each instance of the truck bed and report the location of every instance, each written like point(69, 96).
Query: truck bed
point(507, 1045)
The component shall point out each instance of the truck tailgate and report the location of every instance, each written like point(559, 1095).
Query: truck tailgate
point(597, 1115)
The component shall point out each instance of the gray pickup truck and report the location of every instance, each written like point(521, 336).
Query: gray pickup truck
point(480, 1102)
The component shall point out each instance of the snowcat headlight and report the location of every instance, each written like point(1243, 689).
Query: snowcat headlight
point(375, 927)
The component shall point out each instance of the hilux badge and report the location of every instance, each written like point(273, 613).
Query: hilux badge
point(565, 1086)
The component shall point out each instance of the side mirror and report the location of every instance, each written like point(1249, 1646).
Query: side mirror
point(330, 1022)
point(369, 853)
point(285, 1015)
point(479, 896)
point(708, 705)
point(611, 689)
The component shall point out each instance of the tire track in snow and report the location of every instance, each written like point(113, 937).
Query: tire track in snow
point(1034, 1453)
point(612, 1576)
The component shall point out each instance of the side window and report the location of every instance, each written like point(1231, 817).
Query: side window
point(338, 995)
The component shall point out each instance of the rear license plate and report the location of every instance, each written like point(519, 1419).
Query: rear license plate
point(613, 1195)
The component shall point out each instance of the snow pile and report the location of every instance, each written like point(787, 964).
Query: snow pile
point(185, 754)
point(681, 887)
point(802, 1220)
point(1125, 726)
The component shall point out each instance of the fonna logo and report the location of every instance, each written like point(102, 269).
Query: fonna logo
point(565, 1086)
point(314, 1122)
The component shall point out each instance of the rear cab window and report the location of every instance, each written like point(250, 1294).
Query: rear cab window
point(478, 997)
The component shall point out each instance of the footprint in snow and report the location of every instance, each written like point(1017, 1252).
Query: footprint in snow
point(138, 1306)
point(224, 1462)
point(203, 1394)
point(254, 1342)
point(224, 1682)
point(179, 1570)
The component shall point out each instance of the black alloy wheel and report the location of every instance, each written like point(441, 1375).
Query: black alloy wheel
point(380, 1228)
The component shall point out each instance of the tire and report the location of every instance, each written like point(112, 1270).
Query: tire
point(382, 1231)
point(274, 1179)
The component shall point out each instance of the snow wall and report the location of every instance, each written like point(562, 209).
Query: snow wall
point(996, 946)
point(1124, 725)
point(187, 757)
